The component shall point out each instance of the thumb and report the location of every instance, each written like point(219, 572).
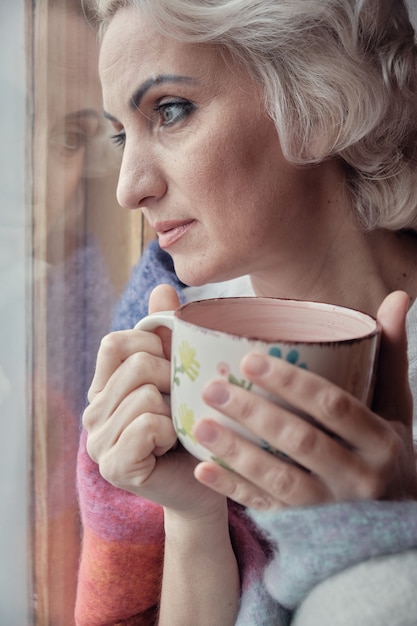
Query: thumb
point(164, 298)
point(392, 398)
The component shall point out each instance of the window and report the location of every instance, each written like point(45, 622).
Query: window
point(66, 250)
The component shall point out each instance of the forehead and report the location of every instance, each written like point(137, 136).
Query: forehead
point(72, 60)
point(133, 51)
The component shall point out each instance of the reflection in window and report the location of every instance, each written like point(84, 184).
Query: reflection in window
point(72, 293)
point(65, 254)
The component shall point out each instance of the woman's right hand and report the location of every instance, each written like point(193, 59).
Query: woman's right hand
point(131, 437)
point(130, 432)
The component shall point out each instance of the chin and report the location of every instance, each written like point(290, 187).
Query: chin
point(199, 276)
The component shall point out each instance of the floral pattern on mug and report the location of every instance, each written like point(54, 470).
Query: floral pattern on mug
point(221, 462)
point(185, 421)
point(291, 357)
point(188, 363)
point(224, 370)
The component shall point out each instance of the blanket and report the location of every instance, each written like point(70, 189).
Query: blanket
point(282, 555)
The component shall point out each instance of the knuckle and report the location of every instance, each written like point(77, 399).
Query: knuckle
point(139, 361)
point(391, 447)
point(89, 417)
point(151, 395)
point(228, 448)
point(148, 421)
point(148, 398)
point(110, 344)
point(92, 448)
point(246, 409)
point(116, 468)
point(334, 402)
point(300, 439)
point(281, 482)
point(363, 482)
point(245, 494)
point(261, 502)
point(146, 365)
point(371, 486)
point(91, 394)
point(110, 469)
point(288, 377)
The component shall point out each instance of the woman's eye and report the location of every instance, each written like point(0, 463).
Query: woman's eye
point(68, 141)
point(168, 113)
point(119, 139)
point(74, 132)
point(172, 112)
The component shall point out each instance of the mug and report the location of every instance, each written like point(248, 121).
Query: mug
point(210, 338)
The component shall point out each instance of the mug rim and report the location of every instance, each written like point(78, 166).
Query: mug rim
point(366, 317)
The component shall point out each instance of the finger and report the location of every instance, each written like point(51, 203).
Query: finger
point(330, 406)
point(392, 397)
point(164, 298)
point(132, 460)
point(257, 474)
point(143, 400)
point(230, 485)
point(141, 368)
point(115, 349)
point(326, 457)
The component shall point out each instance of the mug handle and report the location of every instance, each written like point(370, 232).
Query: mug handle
point(152, 321)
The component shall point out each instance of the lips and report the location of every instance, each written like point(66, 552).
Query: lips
point(170, 232)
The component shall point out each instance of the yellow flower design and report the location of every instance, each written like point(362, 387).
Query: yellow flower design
point(185, 421)
point(188, 363)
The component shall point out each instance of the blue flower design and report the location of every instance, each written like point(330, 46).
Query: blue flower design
point(292, 356)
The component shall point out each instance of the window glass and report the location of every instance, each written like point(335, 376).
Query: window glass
point(66, 250)
point(14, 314)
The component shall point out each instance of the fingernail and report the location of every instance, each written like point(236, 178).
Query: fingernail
point(206, 432)
point(216, 393)
point(207, 476)
point(255, 364)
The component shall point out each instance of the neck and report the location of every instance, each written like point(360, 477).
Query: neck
point(349, 267)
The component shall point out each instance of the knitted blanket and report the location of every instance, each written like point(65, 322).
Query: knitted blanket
point(281, 555)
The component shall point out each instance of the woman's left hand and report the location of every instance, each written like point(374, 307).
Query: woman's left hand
point(371, 457)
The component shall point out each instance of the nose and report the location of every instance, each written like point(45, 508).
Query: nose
point(141, 179)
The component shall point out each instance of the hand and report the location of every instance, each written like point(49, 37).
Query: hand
point(371, 456)
point(130, 431)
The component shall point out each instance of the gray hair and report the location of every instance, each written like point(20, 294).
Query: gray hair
point(339, 77)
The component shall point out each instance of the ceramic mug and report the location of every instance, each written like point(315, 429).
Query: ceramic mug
point(210, 338)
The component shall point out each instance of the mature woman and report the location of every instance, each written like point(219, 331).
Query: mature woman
point(272, 147)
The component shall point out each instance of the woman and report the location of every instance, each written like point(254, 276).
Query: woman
point(272, 147)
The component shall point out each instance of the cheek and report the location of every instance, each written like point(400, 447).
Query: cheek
point(232, 178)
point(224, 171)
point(64, 176)
point(249, 160)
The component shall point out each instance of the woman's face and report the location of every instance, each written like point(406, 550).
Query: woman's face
point(69, 120)
point(201, 158)
point(73, 103)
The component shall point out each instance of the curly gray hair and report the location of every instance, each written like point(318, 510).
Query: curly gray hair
point(339, 77)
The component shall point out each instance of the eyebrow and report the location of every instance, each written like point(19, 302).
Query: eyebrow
point(82, 113)
point(75, 116)
point(139, 93)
